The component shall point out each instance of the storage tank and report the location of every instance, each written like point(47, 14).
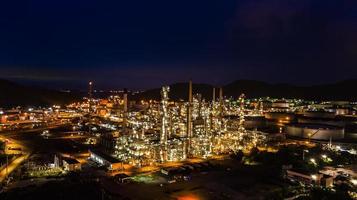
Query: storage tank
point(315, 131)
point(320, 114)
point(281, 104)
point(282, 117)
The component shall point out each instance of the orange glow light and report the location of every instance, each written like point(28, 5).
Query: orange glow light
point(188, 197)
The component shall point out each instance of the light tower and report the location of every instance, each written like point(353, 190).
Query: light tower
point(164, 122)
point(90, 96)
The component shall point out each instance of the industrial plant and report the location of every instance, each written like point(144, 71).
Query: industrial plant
point(169, 131)
point(163, 141)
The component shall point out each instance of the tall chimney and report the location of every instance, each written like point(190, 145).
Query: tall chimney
point(190, 92)
point(214, 95)
point(125, 98)
point(221, 105)
point(220, 94)
point(189, 118)
point(125, 107)
point(189, 110)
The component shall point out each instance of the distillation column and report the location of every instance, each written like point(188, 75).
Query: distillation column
point(241, 128)
point(189, 119)
point(164, 122)
point(125, 108)
point(211, 121)
point(221, 108)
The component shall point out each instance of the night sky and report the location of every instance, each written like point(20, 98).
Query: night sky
point(143, 44)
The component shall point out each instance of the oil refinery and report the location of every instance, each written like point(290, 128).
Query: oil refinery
point(169, 131)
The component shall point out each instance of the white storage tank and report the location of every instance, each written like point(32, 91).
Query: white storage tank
point(315, 131)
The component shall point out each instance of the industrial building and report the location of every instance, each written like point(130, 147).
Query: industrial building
point(71, 164)
point(103, 159)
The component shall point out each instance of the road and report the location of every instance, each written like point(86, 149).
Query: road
point(24, 154)
point(12, 166)
point(14, 132)
point(23, 150)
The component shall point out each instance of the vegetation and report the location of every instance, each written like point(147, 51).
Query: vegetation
point(309, 160)
point(2, 146)
point(57, 190)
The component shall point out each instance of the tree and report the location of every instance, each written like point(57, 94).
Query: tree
point(239, 155)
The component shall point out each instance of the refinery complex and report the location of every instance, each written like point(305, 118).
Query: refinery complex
point(178, 100)
point(164, 142)
point(174, 131)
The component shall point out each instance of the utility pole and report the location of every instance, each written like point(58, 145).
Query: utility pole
point(7, 159)
point(303, 153)
point(7, 165)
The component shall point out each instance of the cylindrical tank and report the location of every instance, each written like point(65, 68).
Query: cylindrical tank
point(319, 114)
point(315, 131)
point(282, 117)
point(254, 122)
point(280, 104)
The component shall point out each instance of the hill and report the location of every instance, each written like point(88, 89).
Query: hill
point(343, 90)
point(13, 94)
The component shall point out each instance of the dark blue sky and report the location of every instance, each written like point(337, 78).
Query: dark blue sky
point(144, 44)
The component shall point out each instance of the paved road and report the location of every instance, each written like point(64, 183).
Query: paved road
point(16, 162)
point(12, 166)
point(14, 132)
point(25, 151)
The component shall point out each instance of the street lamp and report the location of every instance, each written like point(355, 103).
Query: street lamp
point(314, 178)
point(303, 154)
point(354, 181)
point(313, 161)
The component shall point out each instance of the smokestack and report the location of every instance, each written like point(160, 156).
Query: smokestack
point(125, 108)
point(212, 107)
point(189, 118)
point(189, 110)
point(190, 92)
point(220, 94)
point(214, 95)
point(125, 98)
point(221, 104)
